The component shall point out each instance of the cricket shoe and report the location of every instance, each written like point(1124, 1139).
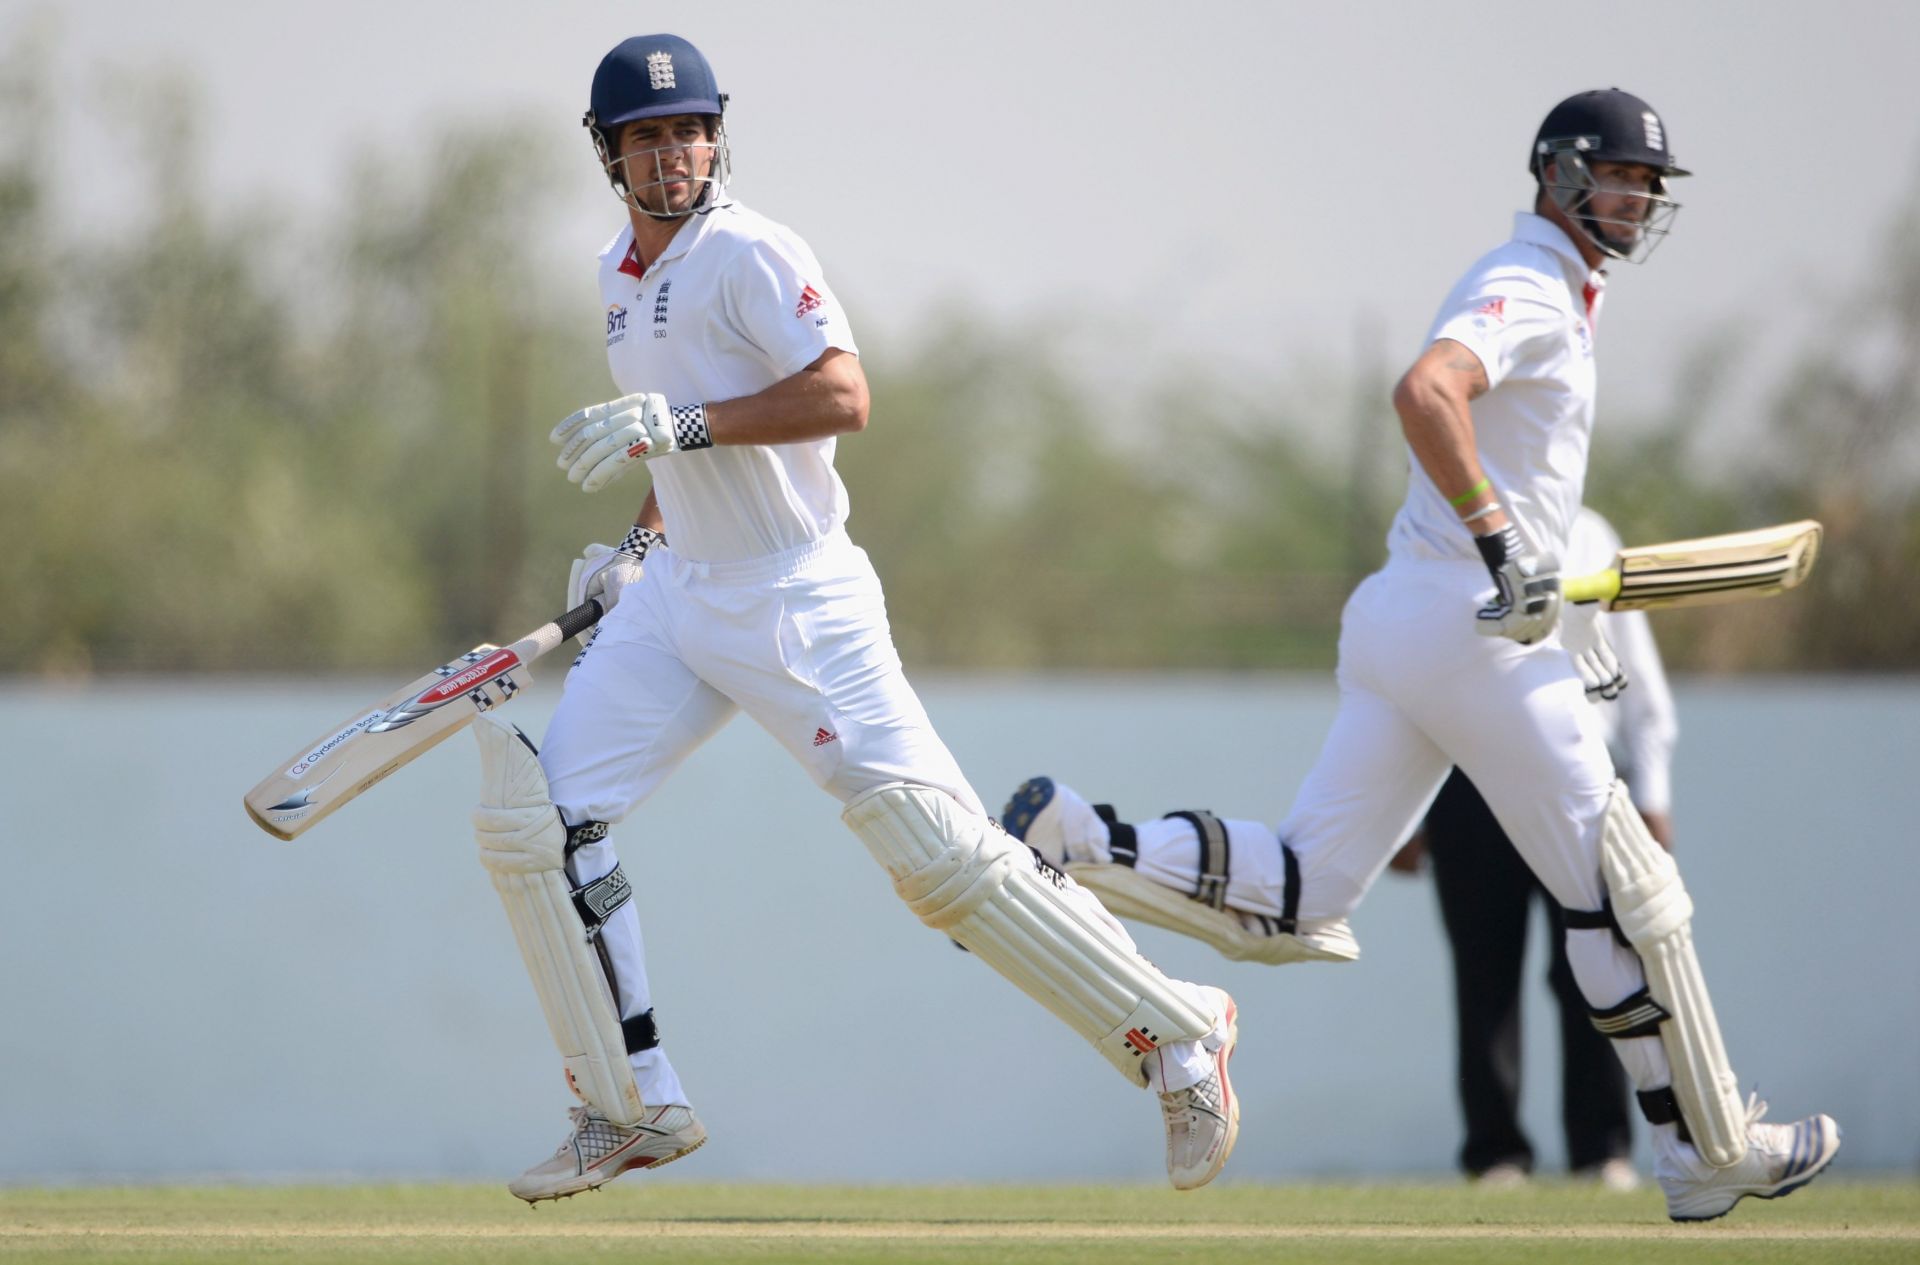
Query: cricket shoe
point(598, 1150)
point(1203, 1120)
point(1780, 1159)
point(1616, 1175)
point(1505, 1176)
point(1051, 818)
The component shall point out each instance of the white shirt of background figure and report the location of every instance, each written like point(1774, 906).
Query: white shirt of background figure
point(1641, 725)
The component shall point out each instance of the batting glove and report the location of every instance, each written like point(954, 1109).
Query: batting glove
point(1593, 657)
point(1526, 598)
point(600, 443)
point(601, 571)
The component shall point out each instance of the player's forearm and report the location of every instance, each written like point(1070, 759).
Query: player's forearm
point(1438, 423)
point(828, 397)
point(1434, 400)
point(649, 515)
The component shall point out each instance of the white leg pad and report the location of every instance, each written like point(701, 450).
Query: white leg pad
point(963, 875)
point(1130, 894)
point(523, 845)
point(1655, 914)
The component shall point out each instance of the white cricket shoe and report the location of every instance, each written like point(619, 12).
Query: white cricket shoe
point(1505, 1176)
point(598, 1150)
point(1203, 1121)
point(1054, 820)
point(1617, 1175)
point(1780, 1159)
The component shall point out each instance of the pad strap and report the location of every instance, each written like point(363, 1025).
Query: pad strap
point(1638, 1016)
point(1600, 919)
point(1216, 856)
point(584, 833)
point(1659, 1106)
point(1210, 887)
point(595, 902)
point(641, 1032)
point(1123, 839)
point(1290, 896)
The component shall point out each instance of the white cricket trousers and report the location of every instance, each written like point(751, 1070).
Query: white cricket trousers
point(799, 641)
point(1421, 690)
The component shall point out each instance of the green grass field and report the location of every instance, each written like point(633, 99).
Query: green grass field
point(1831, 1221)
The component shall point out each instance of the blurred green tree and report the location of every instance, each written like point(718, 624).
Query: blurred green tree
point(261, 440)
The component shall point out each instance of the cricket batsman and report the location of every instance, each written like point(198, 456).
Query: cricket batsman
point(738, 373)
point(1458, 652)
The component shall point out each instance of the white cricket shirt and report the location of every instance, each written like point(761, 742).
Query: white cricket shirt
point(1527, 310)
point(736, 304)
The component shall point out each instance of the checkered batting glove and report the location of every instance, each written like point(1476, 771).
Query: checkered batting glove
point(600, 572)
point(601, 443)
point(639, 540)
point(690, 426)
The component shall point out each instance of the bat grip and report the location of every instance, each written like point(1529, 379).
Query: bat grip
point(1602, 586)
point(579, 619)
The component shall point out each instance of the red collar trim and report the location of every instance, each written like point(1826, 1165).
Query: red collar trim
point(631, 265)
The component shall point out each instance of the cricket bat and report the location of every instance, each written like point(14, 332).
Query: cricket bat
point(1703, 572)
point(346, 760)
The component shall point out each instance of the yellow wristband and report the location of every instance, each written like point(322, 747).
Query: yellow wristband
point(1469, 494)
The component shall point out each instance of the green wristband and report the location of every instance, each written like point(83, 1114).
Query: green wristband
point(1469, 494)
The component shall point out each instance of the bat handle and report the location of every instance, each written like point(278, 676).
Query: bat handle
point(551, 634)
point(580, 618)
point(1602, 586)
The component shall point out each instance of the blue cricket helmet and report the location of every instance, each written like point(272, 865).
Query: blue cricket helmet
point(1607, 125)
point(650, 76)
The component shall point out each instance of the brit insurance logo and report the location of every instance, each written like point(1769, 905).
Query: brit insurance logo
point(616, 323)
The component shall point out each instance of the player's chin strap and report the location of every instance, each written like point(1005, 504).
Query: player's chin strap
point(556, 922)
point(1203, 913)
point(1648, 910)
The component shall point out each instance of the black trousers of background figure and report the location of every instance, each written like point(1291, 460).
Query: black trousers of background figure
point(1486, 895)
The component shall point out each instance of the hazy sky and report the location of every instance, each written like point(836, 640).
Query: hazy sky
point(1238, 182)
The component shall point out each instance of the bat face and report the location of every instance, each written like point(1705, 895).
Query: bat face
point(398, 729)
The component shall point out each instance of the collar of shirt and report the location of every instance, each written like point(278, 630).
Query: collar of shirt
point(682, 242)
point(1538, 230)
